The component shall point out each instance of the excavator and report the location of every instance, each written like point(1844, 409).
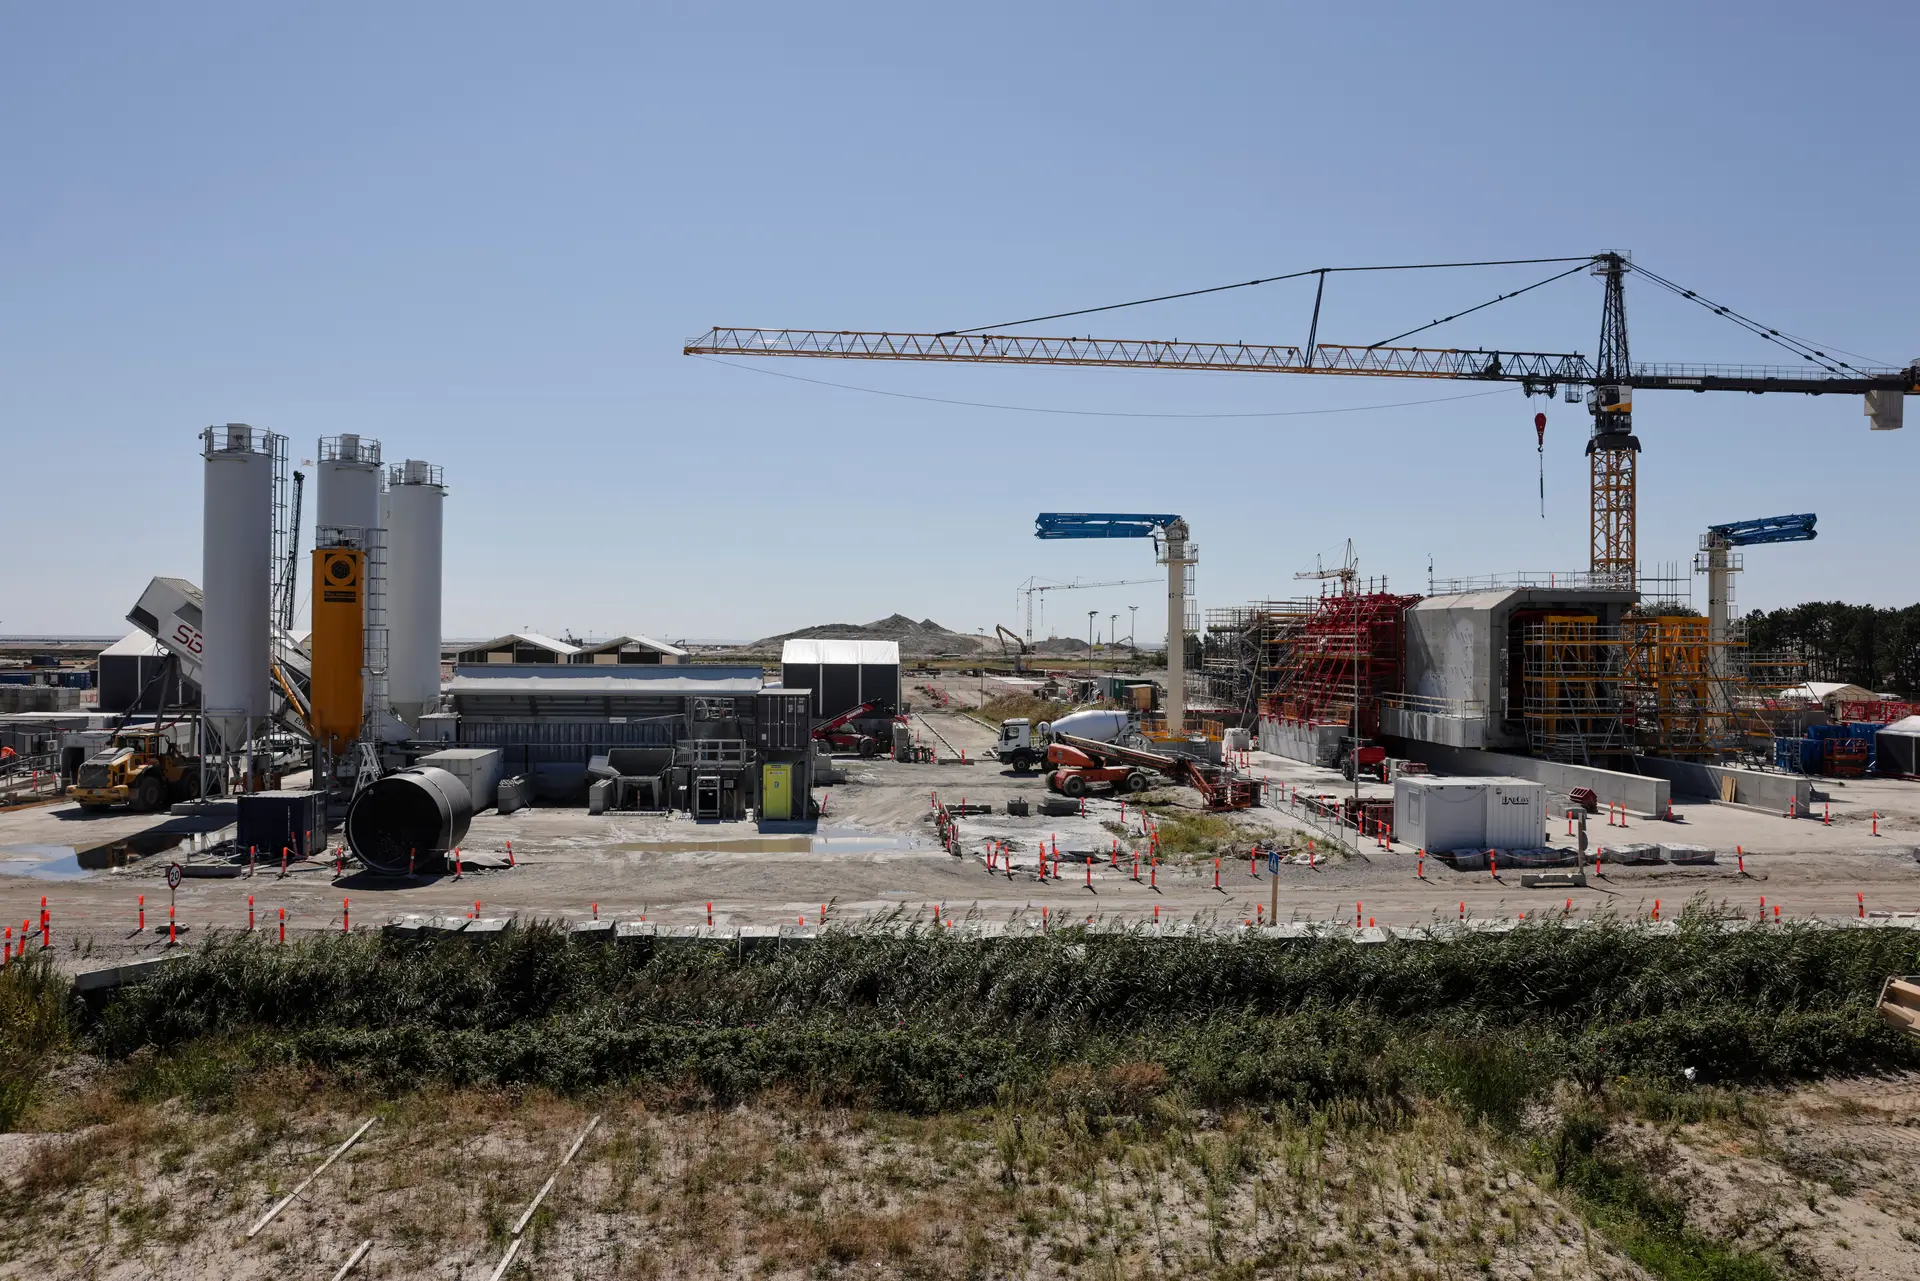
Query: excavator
point(1018, 651)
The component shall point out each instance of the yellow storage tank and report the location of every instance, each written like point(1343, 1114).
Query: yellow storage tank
point(339, 641)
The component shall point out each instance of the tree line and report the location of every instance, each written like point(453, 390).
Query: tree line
point(1878, 649)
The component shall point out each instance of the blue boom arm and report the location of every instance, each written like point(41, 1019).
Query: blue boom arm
point(1768, 529)
point(1098, 525)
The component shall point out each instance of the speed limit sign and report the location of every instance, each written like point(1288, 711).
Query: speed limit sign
point(173, 876)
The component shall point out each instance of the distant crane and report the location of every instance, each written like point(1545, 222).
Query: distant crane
point(1033, 587)
point(1720, 563)
point(290, 572)
point(1348, 571)
point(1171, 548)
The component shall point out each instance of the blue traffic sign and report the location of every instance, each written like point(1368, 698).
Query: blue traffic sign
point(1273, 862)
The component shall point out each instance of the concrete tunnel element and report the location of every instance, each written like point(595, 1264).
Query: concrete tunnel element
point(410, 820)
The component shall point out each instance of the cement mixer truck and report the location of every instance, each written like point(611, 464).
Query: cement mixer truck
point(1023, 744)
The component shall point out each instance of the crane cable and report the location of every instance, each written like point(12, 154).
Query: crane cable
point(1798, 346)
point(1481, 306)
point(1244, 284)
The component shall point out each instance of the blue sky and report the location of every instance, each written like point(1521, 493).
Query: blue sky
point(482, 233)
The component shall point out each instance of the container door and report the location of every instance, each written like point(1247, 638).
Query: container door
point(776, 791)
point(1516, 816)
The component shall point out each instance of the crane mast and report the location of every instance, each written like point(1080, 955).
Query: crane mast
point(1613, 449)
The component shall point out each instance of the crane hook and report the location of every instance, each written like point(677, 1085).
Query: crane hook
point(1540, 435)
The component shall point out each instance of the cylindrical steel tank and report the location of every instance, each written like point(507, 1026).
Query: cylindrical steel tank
point(236, 578)
point(348, 481)
point(414, 501)
point(409, 821)
point(338, 645)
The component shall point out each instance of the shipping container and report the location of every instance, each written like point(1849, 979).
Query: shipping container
point(480, 768)
point(268, 822)
point(1516, 815)
point(1440, 813)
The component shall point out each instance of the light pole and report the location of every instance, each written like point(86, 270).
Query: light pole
point(1091, 615)
point(1133, 615)
point(1113, 633)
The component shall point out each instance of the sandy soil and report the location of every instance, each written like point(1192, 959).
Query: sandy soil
point(775, 1191)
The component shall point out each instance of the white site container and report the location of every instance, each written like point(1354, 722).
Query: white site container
point(1438, 814)
point(477, 767)
point(1516, 814)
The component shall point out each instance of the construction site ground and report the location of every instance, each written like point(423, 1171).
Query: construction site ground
point(876, 854)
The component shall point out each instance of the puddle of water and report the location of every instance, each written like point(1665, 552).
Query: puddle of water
point(128, 849)
point(45, 862)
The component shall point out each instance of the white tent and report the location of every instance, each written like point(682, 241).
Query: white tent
point(1896, 747)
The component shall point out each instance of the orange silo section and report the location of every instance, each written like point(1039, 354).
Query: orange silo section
point(338, 645)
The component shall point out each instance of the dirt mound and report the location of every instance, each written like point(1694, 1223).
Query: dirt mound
point(925, 637)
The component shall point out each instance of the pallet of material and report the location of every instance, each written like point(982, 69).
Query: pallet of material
point(1900, 1003)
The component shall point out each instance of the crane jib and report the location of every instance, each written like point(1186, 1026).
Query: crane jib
point(1535, 369)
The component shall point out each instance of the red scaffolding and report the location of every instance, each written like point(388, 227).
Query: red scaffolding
point(1351, 642)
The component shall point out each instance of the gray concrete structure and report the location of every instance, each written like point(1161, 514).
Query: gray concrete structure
point(1464, 662)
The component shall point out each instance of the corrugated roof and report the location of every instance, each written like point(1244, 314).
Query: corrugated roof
point(843, 653)
point(532, 638)
point(635, 680)
point(619, 642)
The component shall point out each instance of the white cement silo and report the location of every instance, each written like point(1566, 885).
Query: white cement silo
point(348, 480)
point(236, 578)
point(414, 501)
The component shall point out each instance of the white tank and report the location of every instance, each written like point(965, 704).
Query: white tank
point(236, 578)
point(415, 497)
point(1101, 727)
point(348, 482)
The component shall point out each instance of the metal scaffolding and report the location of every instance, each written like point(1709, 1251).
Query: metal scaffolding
point(1350, 646)
point(1249, 651)
point(1571, 696)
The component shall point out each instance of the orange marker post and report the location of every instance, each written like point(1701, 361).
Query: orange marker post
point(172, 935)
point(346, 916)
point(249, 913)
point(143, 915)
point(283, 925)
point(936, 913)
point(1656, 909)
point(46, 923)
point(1216, 874)
point(1862, 900)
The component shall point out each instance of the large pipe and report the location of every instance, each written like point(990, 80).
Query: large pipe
point(409, 820)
